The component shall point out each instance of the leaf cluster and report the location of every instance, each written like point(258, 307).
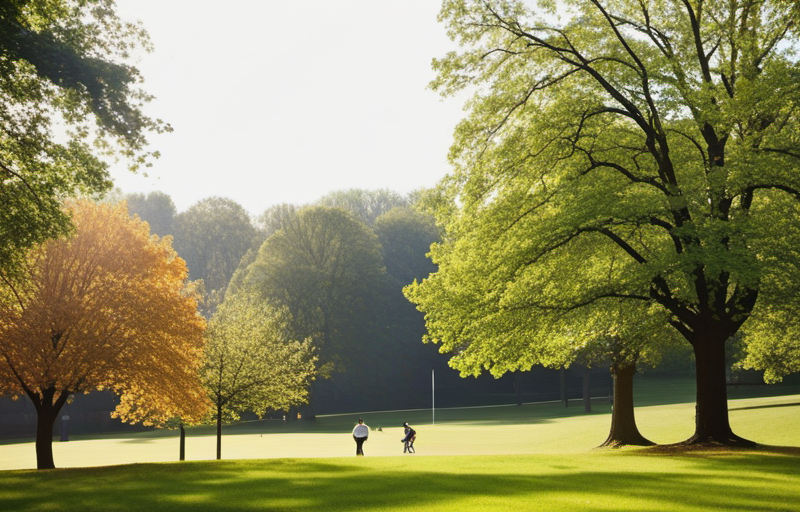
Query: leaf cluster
point(251, 362)
point(630, 156)
point(104, 308)
point(69, 99)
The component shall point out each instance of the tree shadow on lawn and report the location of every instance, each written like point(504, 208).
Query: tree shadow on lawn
point(314, 486)
point(783, 460)
point(767, 406)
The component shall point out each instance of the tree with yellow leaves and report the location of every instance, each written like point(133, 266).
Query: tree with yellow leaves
point(105, 308)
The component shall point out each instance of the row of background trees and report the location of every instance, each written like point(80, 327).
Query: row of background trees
point(332, 272)
point(338, 267)
point(620, 177)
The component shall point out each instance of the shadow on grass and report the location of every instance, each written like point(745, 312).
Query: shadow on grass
point(314, 486)
point(767, 406)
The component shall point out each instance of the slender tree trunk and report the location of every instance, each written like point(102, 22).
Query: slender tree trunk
point(587, 392)
point(563, 379)
point(518, 387)
point(219, 432)
point(623, 422)
point(46, 413)
point(182, 454)
point(711, 419)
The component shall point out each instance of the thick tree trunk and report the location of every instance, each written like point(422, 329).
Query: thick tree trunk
point(219, 433)
point(623, 422)
point(711, 420)
point(46, 413)
point(45, 420)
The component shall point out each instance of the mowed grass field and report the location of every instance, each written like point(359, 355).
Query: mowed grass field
point(534, 457)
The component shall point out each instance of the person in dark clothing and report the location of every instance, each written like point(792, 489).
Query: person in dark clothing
point(408, 439)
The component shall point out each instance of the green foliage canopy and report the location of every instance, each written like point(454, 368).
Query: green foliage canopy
point(326, 268)
point(406, 236)
point(251, 362)
point(365, 205)
point(640, 153)
point(155, 208)
point(68, 99)
point(212, 236)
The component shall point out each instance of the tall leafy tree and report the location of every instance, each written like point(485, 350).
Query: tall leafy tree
point(365, 205)
point(406, 237)
point(325, 267)
point(212, 236)
point(105, 308)
point(155, 208)
point(643, 152)
point(251, 363)
point(276, 217)
point(68, 100)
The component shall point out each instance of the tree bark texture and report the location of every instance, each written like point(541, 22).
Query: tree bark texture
point(47, 411)
point(623, 422)
point(712, 425)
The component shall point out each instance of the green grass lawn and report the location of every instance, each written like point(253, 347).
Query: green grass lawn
point(534, 457)
point(594, 481)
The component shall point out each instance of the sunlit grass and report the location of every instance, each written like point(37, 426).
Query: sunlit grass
point(530, 429)
point(598, 480)
point(529, 458)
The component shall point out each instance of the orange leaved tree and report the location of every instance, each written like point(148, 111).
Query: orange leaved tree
point(105, 308)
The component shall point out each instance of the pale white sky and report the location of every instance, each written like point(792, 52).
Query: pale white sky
point(286, 100)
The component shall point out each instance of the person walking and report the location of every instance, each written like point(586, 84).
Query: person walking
point(360, 434)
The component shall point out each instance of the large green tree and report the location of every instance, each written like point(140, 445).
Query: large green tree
point(365, 205)
point(325, 267)
point(406, 237)
point(155, 208)
point(68, 99)
point(637, 151)
point(212, 236)
point(251, 363)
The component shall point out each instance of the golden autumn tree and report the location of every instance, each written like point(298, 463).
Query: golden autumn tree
point(104, 308)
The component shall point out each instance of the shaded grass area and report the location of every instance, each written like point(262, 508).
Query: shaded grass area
point(764, 480)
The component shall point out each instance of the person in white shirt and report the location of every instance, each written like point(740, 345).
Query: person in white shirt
point(360, 434)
